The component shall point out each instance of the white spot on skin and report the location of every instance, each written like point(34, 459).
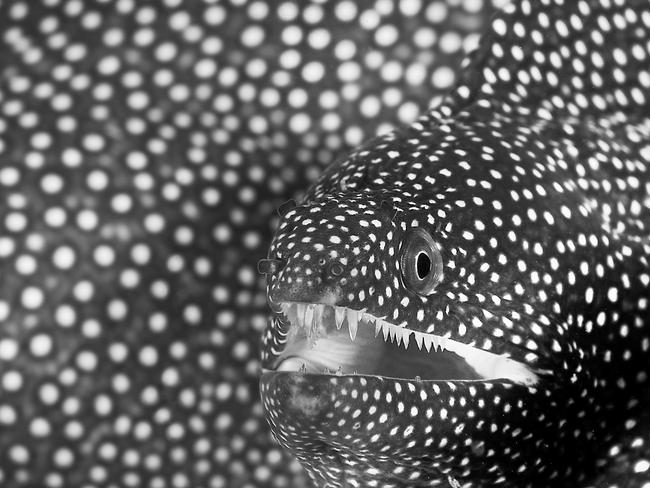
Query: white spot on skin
point(32, 298)
point(642, 466)
point(612, 294)
point(8, 349)
point(40, 345)
point(64, 257)
point(12, 381)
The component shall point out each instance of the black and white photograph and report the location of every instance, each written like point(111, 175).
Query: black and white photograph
point(324, 243)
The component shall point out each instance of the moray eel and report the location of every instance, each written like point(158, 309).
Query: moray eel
point(144, 146)
point(464, 301)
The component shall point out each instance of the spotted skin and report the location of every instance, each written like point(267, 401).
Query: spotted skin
point(144, 147)
point(532, 177)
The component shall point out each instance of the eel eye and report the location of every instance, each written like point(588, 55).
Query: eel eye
point(421, 262)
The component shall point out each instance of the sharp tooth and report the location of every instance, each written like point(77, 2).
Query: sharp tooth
point(418, 339)
point(311, 325)
point(405, 338)
point(309, 314)
point(290, 313)
point(428, 340)
point(385, 328)
point(443, 343)
point(399, 333)
point(339, 316)
point(353, 323)
point(378, 327)
point(319, 311)
point(436, 342)
point(392, 331)
point(292, 334)
point(300, 314)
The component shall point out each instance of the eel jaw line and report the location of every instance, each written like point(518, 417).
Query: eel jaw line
point(312, 326)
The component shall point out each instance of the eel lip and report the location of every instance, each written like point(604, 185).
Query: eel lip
point(324, 339)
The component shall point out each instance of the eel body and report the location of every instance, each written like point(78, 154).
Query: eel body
point(464, 301)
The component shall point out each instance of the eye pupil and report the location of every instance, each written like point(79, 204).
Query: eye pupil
point(423, 265)
point(421, 262)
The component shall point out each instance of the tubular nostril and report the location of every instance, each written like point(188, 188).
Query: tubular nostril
point(286, 207)
point(269, 266)
point(336, 269)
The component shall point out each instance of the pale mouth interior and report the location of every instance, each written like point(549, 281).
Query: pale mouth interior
point(325, 339)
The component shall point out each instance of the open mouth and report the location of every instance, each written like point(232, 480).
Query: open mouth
point(325, 339)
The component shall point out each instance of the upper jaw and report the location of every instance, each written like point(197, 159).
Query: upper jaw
point(329, 339)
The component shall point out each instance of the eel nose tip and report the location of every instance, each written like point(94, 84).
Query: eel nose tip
point(269, 265)
point(286, 207)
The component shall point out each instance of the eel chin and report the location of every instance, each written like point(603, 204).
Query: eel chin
point(326, 339)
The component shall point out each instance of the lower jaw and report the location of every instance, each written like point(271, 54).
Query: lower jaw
point(370, 429)
point(325, 419)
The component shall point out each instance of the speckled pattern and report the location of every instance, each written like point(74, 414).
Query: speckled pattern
point(143, 149)
point(529, 188)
